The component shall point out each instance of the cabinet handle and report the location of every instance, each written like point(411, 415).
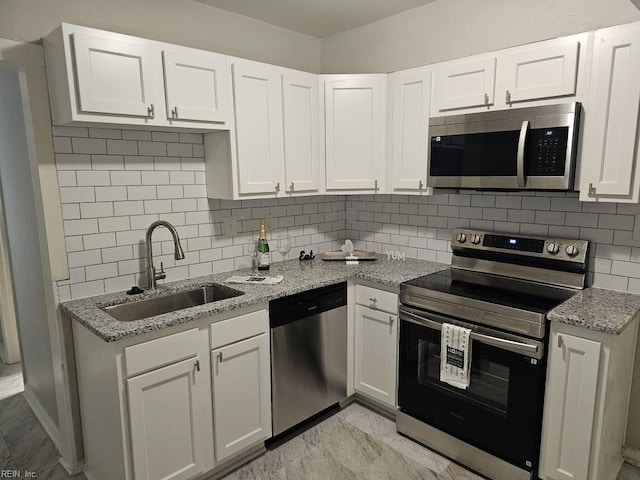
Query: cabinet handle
point(220, 359)
point(375, 185)
point(391, 319)
point(151, 110)
point(420, 184)
point(197, 365)
point(486, 99)
point(174, 112)
point(560, 342)
point(592, 189)
point(291, 186)
point(373, 299)
point(508, 99)
point(278, 187)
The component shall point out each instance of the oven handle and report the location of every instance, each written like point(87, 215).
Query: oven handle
point(517, 347)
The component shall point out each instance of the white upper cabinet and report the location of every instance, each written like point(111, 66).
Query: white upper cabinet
point(301, 132)
point(355, 113)
point(410, 93)
point(196, 86)
point(464, 84)
point(98, 77)
point(610, 157)
point(114, 77)
point(539, 71)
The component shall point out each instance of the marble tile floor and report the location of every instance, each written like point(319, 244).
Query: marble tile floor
point(359, 444)
point(354, 444)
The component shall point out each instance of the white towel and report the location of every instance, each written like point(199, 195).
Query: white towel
point(455, 355)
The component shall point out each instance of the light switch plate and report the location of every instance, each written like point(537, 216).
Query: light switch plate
point(230, 225)
point(636, 228)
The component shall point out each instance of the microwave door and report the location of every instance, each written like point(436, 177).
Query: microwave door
point(475, 160)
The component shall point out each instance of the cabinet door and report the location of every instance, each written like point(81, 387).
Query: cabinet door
point(241, 395)
point(610, 152)
point(376, 353)
point(354, 128)
point(411, 111)
point(572, 387)
point(166, 417)
point(258, 107)
point(470, 83)
point(196, 86)
point(113, 76)
point(541, 71)
point(301, 132)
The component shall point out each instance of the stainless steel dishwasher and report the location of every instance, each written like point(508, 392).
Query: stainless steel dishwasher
point(308, 354)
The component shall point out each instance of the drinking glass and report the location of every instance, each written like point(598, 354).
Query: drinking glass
point(283, 244)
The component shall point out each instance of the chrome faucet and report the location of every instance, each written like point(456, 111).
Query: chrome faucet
point(152, 276)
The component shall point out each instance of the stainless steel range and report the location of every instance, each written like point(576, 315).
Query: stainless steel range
point(501, 287)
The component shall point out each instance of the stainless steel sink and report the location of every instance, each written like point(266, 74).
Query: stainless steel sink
point(170, 303)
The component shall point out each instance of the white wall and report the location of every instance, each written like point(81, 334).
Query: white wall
point(448, 29)
point(24, 245)
point(183, 22)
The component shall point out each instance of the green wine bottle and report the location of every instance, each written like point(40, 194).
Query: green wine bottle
point(263, 257)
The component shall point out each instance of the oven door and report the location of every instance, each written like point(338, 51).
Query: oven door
point(500, 412)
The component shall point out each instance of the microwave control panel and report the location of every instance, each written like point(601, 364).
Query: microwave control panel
point(547, 151)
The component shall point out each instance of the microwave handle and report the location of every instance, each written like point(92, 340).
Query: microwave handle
point(522, 141)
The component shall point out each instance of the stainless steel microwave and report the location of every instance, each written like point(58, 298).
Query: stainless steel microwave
point(519, 149)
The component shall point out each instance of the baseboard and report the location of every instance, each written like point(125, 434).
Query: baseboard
point(70, 469)
point(631, 456)
point(376, 405)
point(43, 417)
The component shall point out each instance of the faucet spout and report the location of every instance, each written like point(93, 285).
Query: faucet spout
point(152, 276)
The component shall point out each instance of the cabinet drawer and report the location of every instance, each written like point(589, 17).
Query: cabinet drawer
point(162, 351)
point(238, 328)
point(377, 299)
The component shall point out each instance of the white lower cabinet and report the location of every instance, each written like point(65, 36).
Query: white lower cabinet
point(376, 344)
point(586, 400)
point(166, 418)
point(153, 408)
point(241, 395)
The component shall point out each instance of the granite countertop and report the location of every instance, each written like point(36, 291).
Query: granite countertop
point(597, 309)
point(298, 277)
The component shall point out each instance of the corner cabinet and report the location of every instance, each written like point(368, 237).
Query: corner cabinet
point(355, 122)
point(173, 414)
point(410, 99)
point(98, 77)
point(376, 344)
point(586, 400)
point(610, 171)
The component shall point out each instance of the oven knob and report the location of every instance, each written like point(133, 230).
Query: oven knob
point(553, 248)
point(572, 250)
point(475, 239)
point(461, 237)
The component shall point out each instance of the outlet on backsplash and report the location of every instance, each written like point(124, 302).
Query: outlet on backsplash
point(230, 226)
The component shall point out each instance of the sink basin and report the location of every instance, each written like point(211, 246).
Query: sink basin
point(171, 303)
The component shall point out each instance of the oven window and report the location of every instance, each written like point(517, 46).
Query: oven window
point(489, 380)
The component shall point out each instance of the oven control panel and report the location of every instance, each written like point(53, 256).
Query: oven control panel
point(552, 248)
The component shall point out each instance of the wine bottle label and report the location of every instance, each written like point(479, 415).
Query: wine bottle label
point(263, 259)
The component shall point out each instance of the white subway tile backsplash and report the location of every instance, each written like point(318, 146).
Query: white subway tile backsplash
point(110, 194)
point(126, 177)
point(116, 182)
point(96, 209)
point(89, 145)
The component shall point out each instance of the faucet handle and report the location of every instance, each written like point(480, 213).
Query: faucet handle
point(161, 275)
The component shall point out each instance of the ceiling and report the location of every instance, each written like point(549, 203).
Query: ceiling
point(318, 18)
